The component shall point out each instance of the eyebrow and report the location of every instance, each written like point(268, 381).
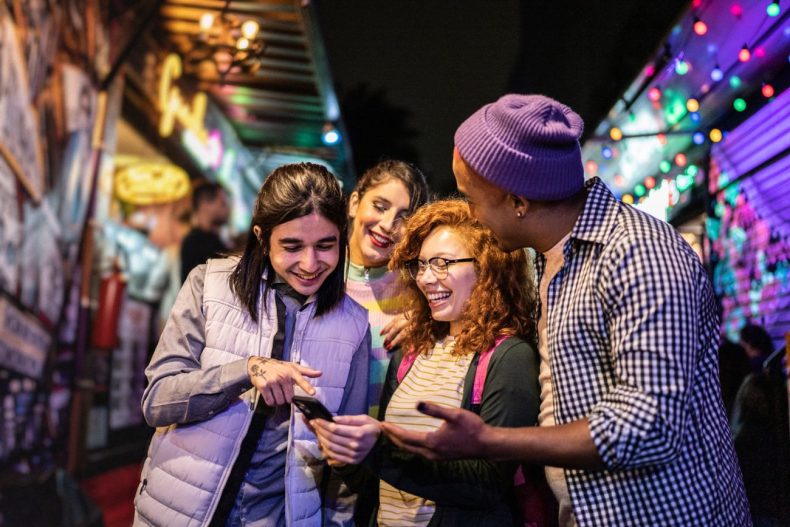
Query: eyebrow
point(327, 239)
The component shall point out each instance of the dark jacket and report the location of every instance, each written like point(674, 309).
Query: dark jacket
point(469, 491)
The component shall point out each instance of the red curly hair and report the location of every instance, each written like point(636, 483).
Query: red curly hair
point(502, 302)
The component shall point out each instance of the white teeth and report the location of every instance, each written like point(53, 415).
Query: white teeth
point(307, 276)
point(382, 240)
point(433, 297)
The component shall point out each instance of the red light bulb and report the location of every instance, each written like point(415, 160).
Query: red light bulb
point(654, 94)
point(768, 90)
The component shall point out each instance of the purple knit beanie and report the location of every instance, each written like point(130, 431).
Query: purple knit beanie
point(525, 144)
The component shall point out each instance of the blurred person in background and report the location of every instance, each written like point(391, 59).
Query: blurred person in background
point(211, 212)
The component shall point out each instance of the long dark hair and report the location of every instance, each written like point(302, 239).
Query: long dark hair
point(291, 192)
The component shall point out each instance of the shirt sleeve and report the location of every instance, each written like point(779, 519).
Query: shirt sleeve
point(179, 389)
point(657, 302)
point(511, 398)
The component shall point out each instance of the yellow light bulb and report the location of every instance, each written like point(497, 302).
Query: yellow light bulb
point(242, 43)
point(250, 29)
point(692, 105)
point(616, 134)
point(206, 21)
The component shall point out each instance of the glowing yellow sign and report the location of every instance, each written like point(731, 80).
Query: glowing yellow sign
point(175, 108)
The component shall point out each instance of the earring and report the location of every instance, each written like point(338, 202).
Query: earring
point(519, 214)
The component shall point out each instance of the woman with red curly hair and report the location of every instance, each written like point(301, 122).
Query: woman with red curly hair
point(466, 297)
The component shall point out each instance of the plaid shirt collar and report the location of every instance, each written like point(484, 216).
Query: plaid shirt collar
point(598, 219)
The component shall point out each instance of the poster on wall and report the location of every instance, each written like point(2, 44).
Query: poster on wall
point(128, 364)
point(24, 342)
point(40, 37)
point(44, 284)
point(10, 230)
point(19, 138)
point(79, 98)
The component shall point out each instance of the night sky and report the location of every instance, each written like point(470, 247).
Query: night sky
point(408, 72)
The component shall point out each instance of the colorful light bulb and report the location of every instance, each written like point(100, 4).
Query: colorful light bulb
point(665, 166)
point(698, 138)
point(735, 82)
point(650, 182)
point(700, 27)
point(591, 166)
point(681, 67)
point(695, 118)
point(773, 8)
point(680, 159)
point(768, 90)
point(715, 135)
point(654, 94)
point(744, 54)
point(739, 104)
point(616, 134)
point(606, 152)
point(716, 74)
point(692, 105)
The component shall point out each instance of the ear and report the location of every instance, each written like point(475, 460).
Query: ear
point(519, 204)
point(353, 205)
point(257, 232)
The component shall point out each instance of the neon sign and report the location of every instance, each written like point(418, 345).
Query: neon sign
point(175, 108)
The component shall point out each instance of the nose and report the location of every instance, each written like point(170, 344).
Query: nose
point(426, 277)
point(388, 222)
point(309, 260)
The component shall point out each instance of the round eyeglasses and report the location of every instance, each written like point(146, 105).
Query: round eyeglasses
point(437, 264)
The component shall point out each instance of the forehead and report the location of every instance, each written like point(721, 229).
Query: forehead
point(392, 189)
point(308, 229)
point(443, 241)
point(472, 184)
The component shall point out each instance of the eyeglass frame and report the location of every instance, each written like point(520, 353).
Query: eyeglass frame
point(438, 273)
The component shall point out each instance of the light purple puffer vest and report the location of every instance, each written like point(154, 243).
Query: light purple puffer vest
point(188, 465)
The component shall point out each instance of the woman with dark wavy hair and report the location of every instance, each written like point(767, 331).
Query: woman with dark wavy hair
point(244, 335)
point(471, 306)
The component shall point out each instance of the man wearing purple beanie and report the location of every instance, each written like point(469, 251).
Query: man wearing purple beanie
point(632, 427)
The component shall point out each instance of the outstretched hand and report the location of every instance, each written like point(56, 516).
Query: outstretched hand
point(460, 436)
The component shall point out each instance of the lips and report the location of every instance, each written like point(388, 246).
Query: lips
point(438, 297)
point(307, 279)
point(378, 240)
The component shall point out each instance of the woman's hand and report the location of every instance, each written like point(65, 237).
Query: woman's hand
point(275, 379)
point(393, 332)
point(348, 439)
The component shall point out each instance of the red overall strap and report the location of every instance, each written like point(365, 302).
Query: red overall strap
point(405, 365)
point(482, 371)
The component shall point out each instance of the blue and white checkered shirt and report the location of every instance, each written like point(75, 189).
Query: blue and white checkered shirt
point(632, 335)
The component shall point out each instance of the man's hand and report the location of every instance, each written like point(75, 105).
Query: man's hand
point(393, 332)
point(460, 436)
point(275, 379)
point(348, 439)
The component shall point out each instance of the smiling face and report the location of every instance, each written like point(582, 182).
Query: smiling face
point(447, 297)
point(305, 251)
point(378, 220)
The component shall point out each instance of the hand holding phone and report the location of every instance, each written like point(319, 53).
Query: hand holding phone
point(312, 408)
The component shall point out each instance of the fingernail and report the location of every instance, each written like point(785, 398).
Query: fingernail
point(422, 407)
point(387, 344)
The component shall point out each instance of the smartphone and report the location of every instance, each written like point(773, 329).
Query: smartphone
point(312, 408)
